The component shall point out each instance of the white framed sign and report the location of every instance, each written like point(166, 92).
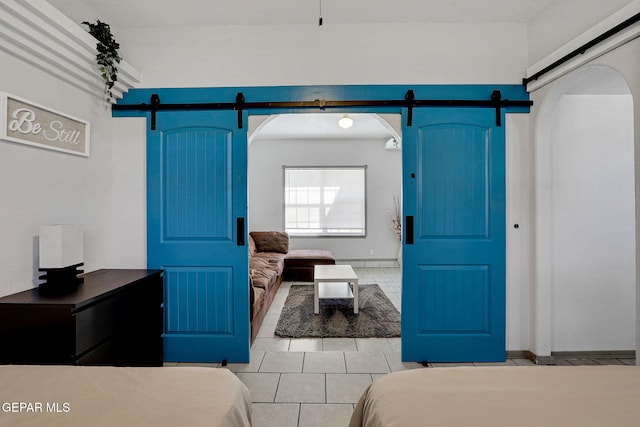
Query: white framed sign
point(28, 123)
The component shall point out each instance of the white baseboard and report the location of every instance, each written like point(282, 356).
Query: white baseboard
point(370, 263)
point(568, 355)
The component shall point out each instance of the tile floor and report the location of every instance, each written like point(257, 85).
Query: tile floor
point(317, 382)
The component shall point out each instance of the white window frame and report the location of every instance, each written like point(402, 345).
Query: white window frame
point(319, 203)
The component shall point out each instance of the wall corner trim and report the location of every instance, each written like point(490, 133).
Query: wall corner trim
point(39, 34)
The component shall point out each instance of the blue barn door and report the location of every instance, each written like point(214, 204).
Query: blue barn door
point(453, 294)
point(197, 203)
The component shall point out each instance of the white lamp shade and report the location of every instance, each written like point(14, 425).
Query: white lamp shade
point(61, 246)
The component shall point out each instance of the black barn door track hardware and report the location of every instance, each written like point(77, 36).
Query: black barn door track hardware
point(496, 101)
point(582, 49)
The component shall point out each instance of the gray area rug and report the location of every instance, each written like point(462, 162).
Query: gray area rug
point(377, 315)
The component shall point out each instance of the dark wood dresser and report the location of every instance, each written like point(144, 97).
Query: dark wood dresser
point(114, 318)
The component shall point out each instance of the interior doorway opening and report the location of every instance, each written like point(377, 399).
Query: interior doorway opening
point(587, 215)
point(316, 140)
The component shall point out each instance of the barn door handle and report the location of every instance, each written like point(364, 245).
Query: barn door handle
point(240, 231)
point(408, 227)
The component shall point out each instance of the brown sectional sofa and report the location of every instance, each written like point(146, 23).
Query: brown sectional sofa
point(271, 262)
point(298, 264)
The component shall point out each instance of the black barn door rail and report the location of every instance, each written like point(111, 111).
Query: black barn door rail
point(496, 101)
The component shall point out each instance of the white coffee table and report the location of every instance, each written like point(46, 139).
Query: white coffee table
point(336, 282)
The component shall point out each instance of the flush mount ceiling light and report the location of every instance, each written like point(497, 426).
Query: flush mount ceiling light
point(345, 122)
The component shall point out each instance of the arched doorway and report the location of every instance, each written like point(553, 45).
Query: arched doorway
point(585, 215)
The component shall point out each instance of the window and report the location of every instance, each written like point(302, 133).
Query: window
point(325, 201)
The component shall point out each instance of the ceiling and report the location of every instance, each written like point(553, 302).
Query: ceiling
point(309, 126)
point(163, 13)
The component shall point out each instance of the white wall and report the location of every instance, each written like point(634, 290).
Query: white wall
point(384, 168)
point(593, 224)
point(40, 186)
point(332, 54)
point(129, 226)
point(518, 212)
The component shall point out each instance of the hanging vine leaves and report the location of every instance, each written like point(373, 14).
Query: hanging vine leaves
point(108, 56)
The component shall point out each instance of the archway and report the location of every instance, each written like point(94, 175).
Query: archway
point(585, 215)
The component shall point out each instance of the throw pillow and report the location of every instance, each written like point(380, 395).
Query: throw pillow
point(271, 241)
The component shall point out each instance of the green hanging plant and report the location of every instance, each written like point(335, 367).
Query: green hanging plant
point(108, 56)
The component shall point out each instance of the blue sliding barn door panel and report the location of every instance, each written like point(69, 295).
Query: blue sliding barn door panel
point(196, 183)
point(453, 296)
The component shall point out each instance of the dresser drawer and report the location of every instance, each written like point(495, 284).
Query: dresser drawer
point(36, 334)
point(101, 321)
point(143, 344)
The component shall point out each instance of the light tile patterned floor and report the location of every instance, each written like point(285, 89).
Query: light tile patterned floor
point(316, 382)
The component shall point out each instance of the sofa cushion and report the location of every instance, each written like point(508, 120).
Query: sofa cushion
point(263, 278)
point(267, 260)
point(258, 263)
point(299, 263)
point(272, 260)
point(271, 241)
point(309, 257)
point(265, 269)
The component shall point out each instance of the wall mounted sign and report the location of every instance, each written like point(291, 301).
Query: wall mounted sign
point(28, 123)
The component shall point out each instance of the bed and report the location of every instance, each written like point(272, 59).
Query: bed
point(503, 396)
point(111, 396)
